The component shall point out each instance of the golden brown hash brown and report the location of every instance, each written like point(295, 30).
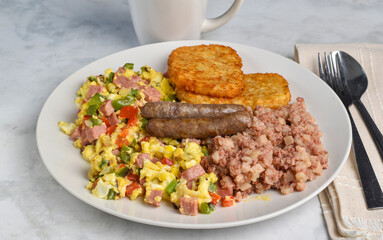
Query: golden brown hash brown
point(268, 89)
point(212, 70)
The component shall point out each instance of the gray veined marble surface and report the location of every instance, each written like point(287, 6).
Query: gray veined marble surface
point(43, 42)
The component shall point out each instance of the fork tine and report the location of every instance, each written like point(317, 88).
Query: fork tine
point(339, 71)
point(331, 70)
point(335, 74)
point(327, 71)
point(320, 66)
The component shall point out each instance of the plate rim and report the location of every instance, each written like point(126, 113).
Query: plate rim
point(194, 225)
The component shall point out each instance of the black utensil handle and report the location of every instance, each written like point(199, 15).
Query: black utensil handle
point(372, 191)
point(374, 130)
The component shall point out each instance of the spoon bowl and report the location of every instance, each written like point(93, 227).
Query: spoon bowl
point(353, 74)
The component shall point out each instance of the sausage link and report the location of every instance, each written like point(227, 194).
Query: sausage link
point(199, 127)
point(187, 110)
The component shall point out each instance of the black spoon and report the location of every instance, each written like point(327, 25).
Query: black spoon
point(355, 80)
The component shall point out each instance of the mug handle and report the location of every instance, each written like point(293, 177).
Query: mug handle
point(214, 23)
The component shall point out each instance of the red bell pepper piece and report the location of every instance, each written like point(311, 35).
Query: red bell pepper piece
point(128, 112)
point(167, 161)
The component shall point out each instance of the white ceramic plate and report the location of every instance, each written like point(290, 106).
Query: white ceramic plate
point(66, 165)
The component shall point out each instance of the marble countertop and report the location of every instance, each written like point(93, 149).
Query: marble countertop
point(43, 42)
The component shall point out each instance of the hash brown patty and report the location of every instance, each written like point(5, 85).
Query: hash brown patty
point(212, 70)
point(265, 89)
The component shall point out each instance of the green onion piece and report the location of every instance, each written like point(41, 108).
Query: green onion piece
point(95, 103)
point(92, 109)
point(143, 123)
point(111, 76)
point(134, 143)
point(97, 99)
point(96, 121)
point(129, 66)
point(204, 151)
point(171, 187)
point(125, 157)
point(205, 209)
point(212, 207)
point(125, 154)
point(122, 171)
point(127, 149)
point(111, 194)
point(144, 69)
point(212, 187)
point(134, 93)
point(103, 163)
point(92, 78)
point(122, 102)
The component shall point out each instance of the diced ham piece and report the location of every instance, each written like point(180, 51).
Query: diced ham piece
point(189, 185)
point(154, 198)
point(135, 79)
point(88, 135)
point(93, 89)
point(121, 70)
point(75, 134)
point(193, 172)
point(189, 206)
point(107, 108)
point(152, 94)
point(124, 82)
point(224, 192)
point(113, 119)
point(140, 159)
point(116, 151)
point(154, 160)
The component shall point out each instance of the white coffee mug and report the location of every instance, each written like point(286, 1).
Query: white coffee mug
point(167, 20)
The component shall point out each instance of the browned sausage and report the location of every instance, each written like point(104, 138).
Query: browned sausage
point(199, 127)
point(187, 110)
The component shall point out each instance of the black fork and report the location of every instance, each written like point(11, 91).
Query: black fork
point(329, 72)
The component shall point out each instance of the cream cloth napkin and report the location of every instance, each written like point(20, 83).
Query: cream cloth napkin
point(343, 201)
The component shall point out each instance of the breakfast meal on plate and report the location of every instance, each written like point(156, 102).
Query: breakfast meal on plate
point(206, 135)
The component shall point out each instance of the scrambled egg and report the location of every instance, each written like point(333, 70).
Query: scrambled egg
point(201, 193)
point(124, 160)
